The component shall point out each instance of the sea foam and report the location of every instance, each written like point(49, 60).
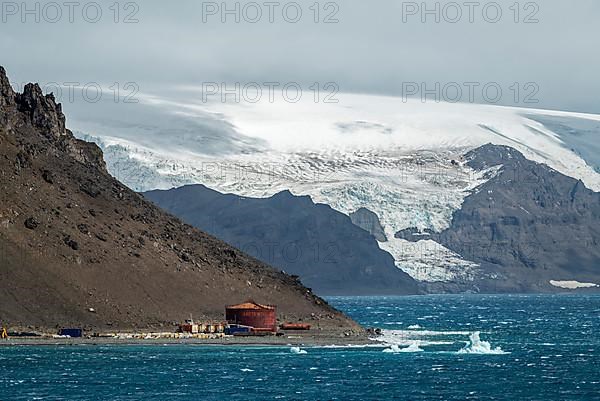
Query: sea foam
point(424, 337)
point(297, 350)
point(395, 349)
point(477, 346)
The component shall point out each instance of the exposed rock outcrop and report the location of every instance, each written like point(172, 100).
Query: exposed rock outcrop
point(526, 226)
point(42, 111)
point(34, 109)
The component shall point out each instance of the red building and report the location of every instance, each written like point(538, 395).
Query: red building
point(260, 317)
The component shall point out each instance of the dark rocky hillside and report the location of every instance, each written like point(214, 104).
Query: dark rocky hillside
point(368, 221)
point(74, 239)
point(527, 225)
point(322, 246)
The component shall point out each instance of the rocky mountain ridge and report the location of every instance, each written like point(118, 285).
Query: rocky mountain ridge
point(320, 245)
point(526, 227)
point(78, 248)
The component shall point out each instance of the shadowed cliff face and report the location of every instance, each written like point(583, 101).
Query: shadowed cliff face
point(369, 221)
point(7, 95)
point(74, 238)
point(322, 246)
point(526, 226)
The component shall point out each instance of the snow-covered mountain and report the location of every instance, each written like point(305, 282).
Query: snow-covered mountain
point(400, 160)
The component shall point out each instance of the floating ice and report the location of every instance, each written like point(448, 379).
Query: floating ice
point(297, 350)
point(395, 349)
point(476, 346)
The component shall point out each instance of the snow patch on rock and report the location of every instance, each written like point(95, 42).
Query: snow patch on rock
point(572, 285)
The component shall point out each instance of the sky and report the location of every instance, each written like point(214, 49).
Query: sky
point(539, 54)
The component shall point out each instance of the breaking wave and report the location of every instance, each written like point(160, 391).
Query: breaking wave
point(413, 340)
point(297, 350)
point(423, 337)
point(476, 346)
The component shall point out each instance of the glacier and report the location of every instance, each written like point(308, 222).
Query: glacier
point(403, 160)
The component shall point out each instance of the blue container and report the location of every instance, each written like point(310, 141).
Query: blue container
point(73, 333)
point(232, 330)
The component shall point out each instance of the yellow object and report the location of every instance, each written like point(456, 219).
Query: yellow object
point(4, 334)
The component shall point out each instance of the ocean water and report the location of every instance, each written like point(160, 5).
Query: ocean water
point(434, 348)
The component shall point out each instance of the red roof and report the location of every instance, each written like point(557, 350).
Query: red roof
point(250, 305)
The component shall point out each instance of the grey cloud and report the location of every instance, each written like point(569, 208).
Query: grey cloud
point(370, 50)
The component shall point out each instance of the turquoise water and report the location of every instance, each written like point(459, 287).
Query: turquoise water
point(540, 348)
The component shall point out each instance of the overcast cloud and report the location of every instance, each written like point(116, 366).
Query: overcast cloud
point(370, 50)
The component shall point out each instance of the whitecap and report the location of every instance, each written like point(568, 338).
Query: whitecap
point(425, 337)
point(297, 350)
point(332, 346)
point(477, 346)
point(392, 349)
point(247, 370)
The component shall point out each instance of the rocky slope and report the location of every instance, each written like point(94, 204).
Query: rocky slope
point(529, 227)
point(79, 248)
point(322, 246)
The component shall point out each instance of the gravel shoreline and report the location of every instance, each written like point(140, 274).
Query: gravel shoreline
point(286, 340)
